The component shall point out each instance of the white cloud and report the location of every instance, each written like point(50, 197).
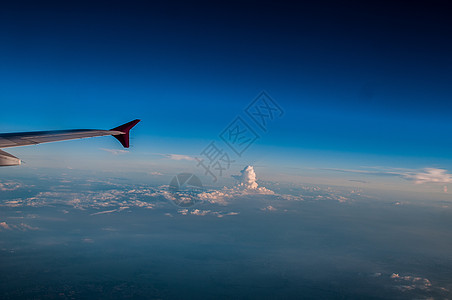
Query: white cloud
point(429, 175)
point(426, 175)
point(222, 196)
point(247, 186)
point(247, 178)
point(110, 211)
point(248, 181)
point(25, 227)
point(115, 151)
point(179, 157)
point(218, 197)
point(232, 213)
point(104, 212)
point(118, 199)
point(199, 212)
point(155, 174)
point(407, 283)
point(269, 208)
point(4, 225)
point(12, 203)
point(21, 227)
point(291, 197)
point(183, 211)
point(9, 186)
point(173, 156)
point(221, 215)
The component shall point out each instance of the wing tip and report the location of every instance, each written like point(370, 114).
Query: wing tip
point(124, 138)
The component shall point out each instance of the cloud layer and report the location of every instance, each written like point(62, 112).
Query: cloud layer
point(247, 185)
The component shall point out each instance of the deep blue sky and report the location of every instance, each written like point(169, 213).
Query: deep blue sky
point(361, 83)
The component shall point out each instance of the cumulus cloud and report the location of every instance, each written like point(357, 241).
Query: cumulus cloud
point(247, 178)
point(248, 181)
point(4, 225)
point(198, 212)
point(247, 186)
point(407, 283)
point(155, 174)
point(219, 197)
point(269, 208)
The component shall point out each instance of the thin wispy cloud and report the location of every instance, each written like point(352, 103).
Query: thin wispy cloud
point(179, 157)
point(115, 151)
point(422, 176)
point(377, 172)
point(110, 211)
point(20, 227)
point(199, 212)
point(430, 175)
point(104, 212)
point(173, 156)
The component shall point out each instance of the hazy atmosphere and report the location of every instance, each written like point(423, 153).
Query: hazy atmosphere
point(285, 151)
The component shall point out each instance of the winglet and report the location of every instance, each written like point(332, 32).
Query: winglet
point(124, 138)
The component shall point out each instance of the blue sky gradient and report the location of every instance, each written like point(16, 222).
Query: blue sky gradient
point(346, 196)
point(365, 85)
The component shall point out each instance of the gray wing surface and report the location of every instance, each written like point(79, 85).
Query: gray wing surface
point(32, 138)
point(8, 140)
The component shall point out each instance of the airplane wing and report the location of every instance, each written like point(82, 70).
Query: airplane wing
point(7, 140)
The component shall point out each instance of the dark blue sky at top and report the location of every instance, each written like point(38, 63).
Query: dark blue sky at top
point(372, 78)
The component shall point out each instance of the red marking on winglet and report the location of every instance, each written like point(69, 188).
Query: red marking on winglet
point(124, 138)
